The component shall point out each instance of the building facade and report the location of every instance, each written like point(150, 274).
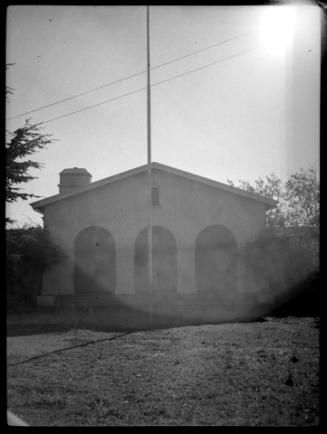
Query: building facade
point(198, 225)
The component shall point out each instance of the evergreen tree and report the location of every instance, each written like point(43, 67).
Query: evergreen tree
point(24, 142)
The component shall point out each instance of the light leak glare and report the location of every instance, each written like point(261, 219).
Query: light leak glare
point(277, 28)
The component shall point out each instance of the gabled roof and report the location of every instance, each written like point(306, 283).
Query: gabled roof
point(41, 204)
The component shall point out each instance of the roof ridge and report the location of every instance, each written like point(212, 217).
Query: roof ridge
point(139, 169)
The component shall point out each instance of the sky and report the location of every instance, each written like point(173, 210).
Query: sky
point(255, 110)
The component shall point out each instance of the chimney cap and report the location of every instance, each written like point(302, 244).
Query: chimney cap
point(75, 171)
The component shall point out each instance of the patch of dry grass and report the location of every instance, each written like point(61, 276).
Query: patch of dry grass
point(263, 373)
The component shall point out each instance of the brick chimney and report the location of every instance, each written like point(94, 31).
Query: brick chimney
point(73, 179)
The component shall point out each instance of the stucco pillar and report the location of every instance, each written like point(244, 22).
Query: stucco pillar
point(124, 269)
point(242, 279)
point(185, 269)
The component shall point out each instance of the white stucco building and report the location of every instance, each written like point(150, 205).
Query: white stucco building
point(198, 226)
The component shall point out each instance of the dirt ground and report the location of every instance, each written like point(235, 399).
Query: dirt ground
point(262, 373)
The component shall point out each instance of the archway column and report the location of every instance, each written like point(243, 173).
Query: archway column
point(186, 269)
point(164, 261)
point(125, 268)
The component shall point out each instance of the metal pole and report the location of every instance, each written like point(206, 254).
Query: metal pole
point(149, 165)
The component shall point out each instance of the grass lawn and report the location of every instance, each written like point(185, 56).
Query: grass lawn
point(261, 373)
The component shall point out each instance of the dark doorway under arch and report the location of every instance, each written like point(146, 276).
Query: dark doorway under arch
point(215, 259)
point(164, 260)
point(95, 261)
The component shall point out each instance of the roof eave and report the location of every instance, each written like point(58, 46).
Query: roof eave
point(41, 204)
point(271, 203)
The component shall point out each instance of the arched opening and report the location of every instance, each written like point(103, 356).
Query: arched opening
point(95, 261)
point(164, 261)
point(215, 259)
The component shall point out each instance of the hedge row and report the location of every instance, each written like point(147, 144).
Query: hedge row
point(30, 251)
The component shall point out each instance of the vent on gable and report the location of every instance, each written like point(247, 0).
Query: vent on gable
point(155, 196)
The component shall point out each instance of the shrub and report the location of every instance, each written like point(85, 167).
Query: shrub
point(30, 251)
point(275, 264)
point(307, 302)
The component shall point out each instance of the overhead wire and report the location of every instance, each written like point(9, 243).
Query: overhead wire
point(143, 88)
point(205, 66)
point(127, 77)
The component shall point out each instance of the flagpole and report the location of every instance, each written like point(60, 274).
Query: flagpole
point(149, 164)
